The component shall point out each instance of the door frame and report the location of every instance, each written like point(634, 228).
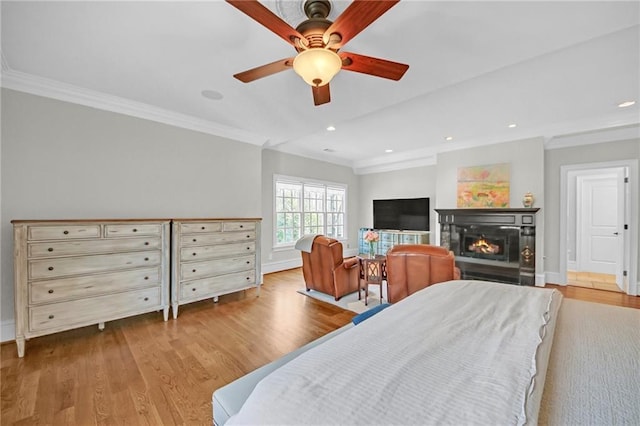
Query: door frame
point(631, 217)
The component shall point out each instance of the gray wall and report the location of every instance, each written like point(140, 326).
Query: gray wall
point(275, 162)
point(526, 158)
point(554, 160)
point(409, 183)
point(65, 161)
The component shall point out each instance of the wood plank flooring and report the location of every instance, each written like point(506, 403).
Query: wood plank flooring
point(144, 371)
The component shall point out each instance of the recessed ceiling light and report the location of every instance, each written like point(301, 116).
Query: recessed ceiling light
point(388, 150)
point(331, 128)
point(448, 138)
point(626, 104)
point(212, 94)
point(512, 125)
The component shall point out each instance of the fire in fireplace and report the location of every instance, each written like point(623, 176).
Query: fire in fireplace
point(494, 243)
point(482, 245)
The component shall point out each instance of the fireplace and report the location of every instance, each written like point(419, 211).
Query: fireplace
point(491, 244)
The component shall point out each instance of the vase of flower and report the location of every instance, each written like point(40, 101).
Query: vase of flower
point(372, 238)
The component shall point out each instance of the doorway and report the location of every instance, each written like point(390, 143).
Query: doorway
point(598, 248)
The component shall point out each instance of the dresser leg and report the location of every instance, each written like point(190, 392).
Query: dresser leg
point(165, 313)
point(174, 309)
point(100, 326)
point(215, 299)
point(20, 344)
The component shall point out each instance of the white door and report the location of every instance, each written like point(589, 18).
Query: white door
point(600, 223)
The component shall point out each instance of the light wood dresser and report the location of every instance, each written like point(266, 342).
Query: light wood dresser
point(212, 257)
point(70, 274)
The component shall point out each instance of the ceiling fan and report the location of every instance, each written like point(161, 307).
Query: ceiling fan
point(318, 41)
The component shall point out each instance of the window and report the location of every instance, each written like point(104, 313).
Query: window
point(308, 207)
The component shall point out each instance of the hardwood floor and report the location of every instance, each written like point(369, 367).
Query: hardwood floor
point(142, 370)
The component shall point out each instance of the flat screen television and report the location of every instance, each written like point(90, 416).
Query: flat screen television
point(405, 214)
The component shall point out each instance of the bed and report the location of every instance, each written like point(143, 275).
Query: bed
point(461, 352)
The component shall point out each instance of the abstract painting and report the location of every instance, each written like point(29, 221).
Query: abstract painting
point(483, 186)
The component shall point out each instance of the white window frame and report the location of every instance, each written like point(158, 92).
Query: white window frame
point(306, 181)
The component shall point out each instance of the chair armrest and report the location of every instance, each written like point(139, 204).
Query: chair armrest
point(351, 262)
point(456, 273)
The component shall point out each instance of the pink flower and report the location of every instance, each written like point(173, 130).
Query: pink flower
point(371, 237)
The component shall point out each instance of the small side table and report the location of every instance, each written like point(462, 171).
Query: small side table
point(373, 270)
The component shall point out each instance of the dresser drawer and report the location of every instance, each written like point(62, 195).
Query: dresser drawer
point(77, 313)
point(239, 226)
point(49, 291)
point(133, 229)
point(211, 252)
point(220, 238)
point(62, 232)
point(194, 270)
point(58, 267)
point(66, 248)
point(208, 287)
point(199, 228)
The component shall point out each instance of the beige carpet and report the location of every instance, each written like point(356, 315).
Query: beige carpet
point(594, 368)
point(350, 302)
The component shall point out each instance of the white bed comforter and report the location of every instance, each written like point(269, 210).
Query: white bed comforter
point(456, 353)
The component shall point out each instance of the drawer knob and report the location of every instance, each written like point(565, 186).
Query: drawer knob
point(50, 249)
point(146, 278)
point(146, 243)
point(135, 230)
point(51, 316)
point(50, 291)
point(65, 232)
point(146, 299)
point(248, 262)
point(241, 226)
point(194, 240)
point(193, 289)
point(203, 228)
point(193, 270)
point(146, 259)
point(248, 248)
point(50, 268)
point(248, 236)
point(248, 278)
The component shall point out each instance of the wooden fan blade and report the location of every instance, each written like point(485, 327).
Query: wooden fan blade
point(264, 70)
point(372, 66)
point(358, 16)
point(264, 16)
point(321, 94)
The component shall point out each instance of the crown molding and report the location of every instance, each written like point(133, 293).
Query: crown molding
point(620, 133)
point(48, 88)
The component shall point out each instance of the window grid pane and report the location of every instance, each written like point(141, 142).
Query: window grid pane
point(308, 209)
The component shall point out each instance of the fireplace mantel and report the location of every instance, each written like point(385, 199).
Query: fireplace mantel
point(518, 223)
point(515, 217)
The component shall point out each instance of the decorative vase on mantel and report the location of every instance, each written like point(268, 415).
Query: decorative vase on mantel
point(527, 200)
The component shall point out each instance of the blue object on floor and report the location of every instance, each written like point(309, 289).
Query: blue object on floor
point(368, 314)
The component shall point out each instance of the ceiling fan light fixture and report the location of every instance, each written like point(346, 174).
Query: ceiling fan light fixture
point(317, 66)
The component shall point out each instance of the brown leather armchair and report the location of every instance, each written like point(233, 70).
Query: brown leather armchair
point(325, 270)
point(412, 267)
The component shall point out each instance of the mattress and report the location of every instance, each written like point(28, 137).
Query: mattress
point(458, 352)
point(593, 377)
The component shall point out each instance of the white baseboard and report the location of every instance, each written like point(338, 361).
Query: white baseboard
point(554, 278)
point(282, 265)
point(7, 331)
point(540, 280)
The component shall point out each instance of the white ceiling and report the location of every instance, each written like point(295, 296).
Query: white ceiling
point(554, 68)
